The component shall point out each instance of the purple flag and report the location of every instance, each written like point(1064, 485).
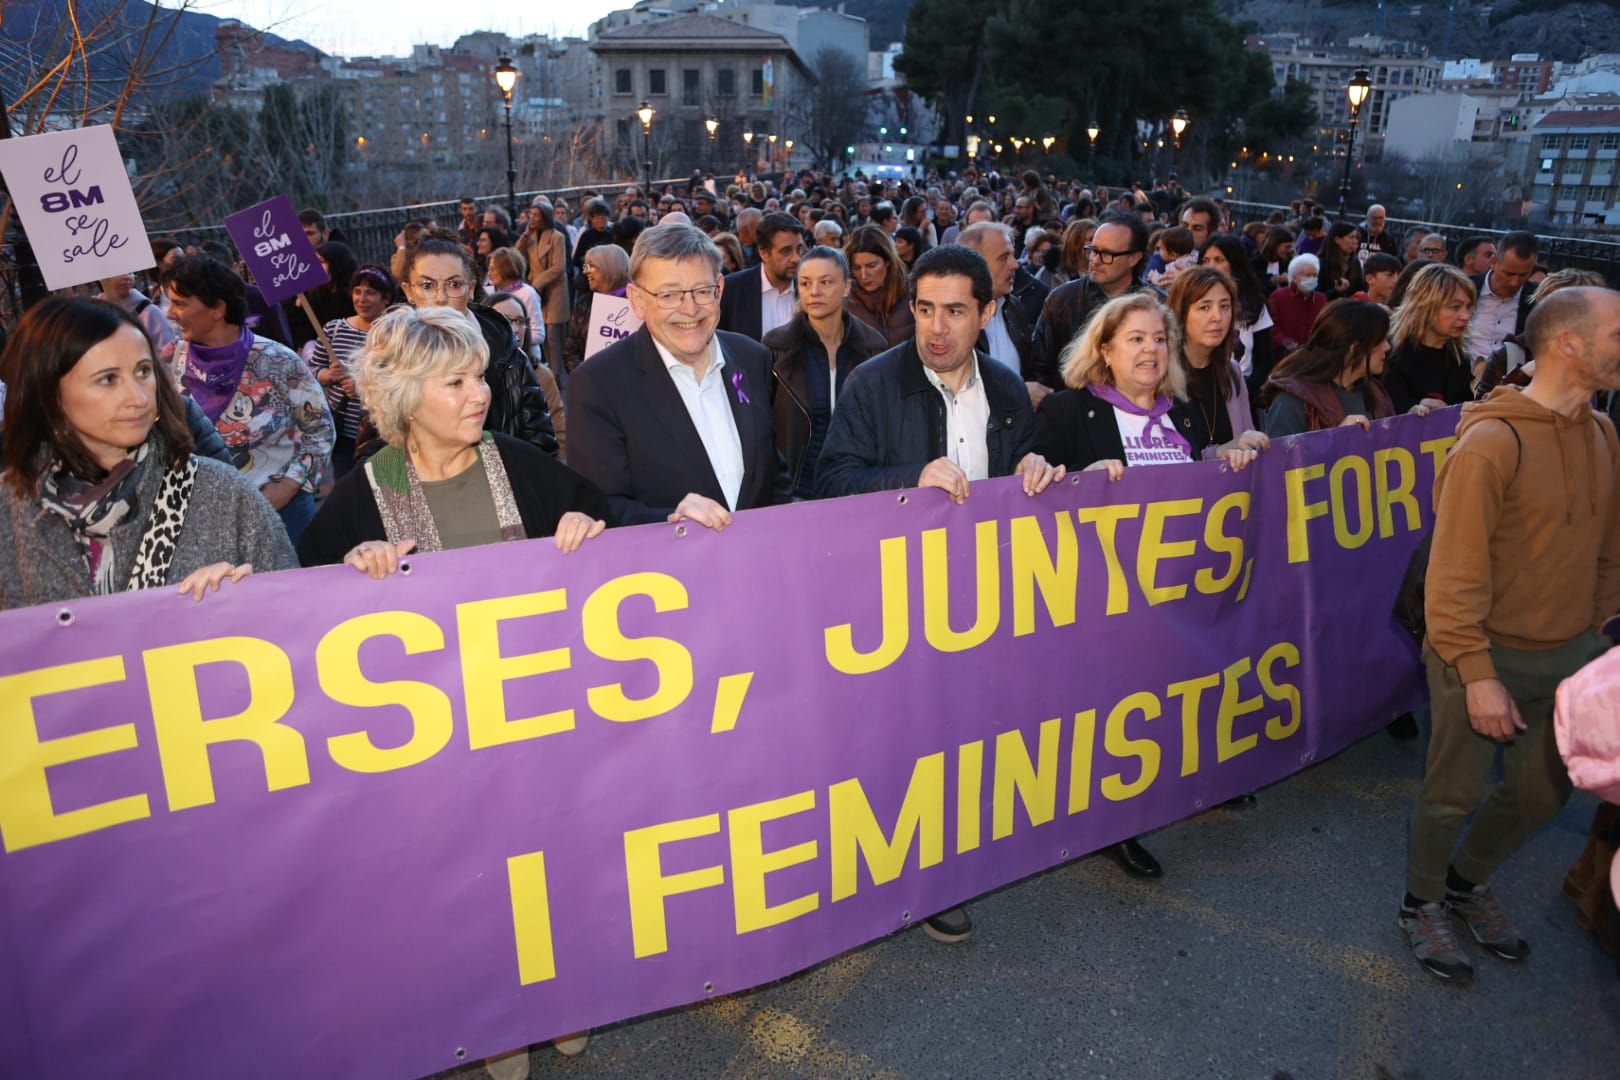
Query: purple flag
point(278, 254)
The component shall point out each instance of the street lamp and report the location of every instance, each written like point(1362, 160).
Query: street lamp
point(1358, 90)
point(1178, 124)
point(748, 142)
point(506, 78)
point(713, 125)
point(1047, 141)
point(788, 159)
point(645, 114)
point(771, 138)
point(1092, 131)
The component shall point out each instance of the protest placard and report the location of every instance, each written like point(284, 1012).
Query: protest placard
point(72, 191)
point(612, 318)
point(280, 257)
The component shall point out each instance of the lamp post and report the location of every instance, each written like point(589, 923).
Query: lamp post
point(713, 125)
point(1178, 124)
point(1092, 131)
point(748, 141)
point(645, 114)
point(787, 157)
point(1358, 90)
point(771, 138)
point(506, 78)
point(1047, 141)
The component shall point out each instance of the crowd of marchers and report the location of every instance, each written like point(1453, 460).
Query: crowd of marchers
point(810, 338)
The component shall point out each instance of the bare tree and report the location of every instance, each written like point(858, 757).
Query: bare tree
point(836, 105)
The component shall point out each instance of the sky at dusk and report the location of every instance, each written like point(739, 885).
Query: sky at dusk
point(391, 27)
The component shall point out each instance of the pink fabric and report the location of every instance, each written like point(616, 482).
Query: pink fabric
point(1587, 724)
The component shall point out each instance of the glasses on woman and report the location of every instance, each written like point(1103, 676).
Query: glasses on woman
point(453, 288)
point(671, 299)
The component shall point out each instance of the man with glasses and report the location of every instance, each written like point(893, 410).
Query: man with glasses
point(1114, 261)
point(1432, 246)
point(674, 422)
point(758, 300)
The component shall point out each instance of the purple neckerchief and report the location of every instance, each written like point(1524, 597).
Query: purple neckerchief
point(1158, 415)
point(213, 372)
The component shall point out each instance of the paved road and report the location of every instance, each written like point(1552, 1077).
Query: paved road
point(1269, 950)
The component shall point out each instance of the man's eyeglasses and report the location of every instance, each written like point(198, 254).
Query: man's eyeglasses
point(1104, 256)
point(671, 299)
point(1425, 249)
point(452, 288)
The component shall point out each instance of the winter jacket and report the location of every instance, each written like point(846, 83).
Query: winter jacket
point(1587, 724)
point(793, 346)
point(1526, 534)
point(517, 404)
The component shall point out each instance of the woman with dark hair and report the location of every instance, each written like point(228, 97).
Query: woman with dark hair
point(1332, 380)
point(1341, 262)
point(908, 244)
point(811, 357)
point(260, 394)
point(1271, 264)
point(334, 300)
point(1251, 345)
point(1428, 360)
point(439, 273)
point(371, 291)
point(878, 296)
point(101, 492)
point(1203, 301)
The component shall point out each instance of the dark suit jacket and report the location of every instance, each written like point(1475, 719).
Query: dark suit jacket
point(1021, 328)
point(632, 437)
point(1524, 300)
point(739, 304)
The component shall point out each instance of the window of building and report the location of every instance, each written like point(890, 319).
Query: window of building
point(691, 86)
point(656, 81)
point(759, 83)
point(622, 81)
point(727, 78)
point(623, 132)
point(1546, 164)
point(1579, 142)
point(1551, 142)
point(1610, 141)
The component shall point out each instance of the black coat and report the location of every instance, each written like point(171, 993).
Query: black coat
point(629, 432)
point(543, 488)
point(1064, 314)
point(517, 405)
point(1022, 331)
point(739, 304)
point(890, 423)
point(792, 346)
point(1075, 429)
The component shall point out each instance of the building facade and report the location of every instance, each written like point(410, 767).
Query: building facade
point(1572, 178)
point(1398, 70)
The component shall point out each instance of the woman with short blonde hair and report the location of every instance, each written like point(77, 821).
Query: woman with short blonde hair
point(1427, 361)
point(442, 482)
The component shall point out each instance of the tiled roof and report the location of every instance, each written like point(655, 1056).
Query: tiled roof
point(696, 25)
point(1575, 118)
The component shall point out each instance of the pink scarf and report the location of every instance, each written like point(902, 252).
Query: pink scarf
point(1158, 416)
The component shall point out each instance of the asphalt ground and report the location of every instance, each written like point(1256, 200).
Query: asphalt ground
point(1269, 950)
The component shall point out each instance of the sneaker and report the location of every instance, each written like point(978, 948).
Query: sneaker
point(949, 926)
point(1428, 934)
point(572, 1045)
point(1487, 922)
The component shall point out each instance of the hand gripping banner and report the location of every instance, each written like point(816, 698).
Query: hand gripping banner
point(320, 824)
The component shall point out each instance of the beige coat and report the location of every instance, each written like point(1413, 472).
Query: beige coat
point(547, 255)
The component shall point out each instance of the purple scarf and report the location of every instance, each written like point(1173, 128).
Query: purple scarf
point(1158, 416)
point(213, 372)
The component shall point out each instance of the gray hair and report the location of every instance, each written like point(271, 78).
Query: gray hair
point(675, 241)
point(971, 236)
point(1302, 261)
point(827, 231)
point(611, 260)
point(405, 348)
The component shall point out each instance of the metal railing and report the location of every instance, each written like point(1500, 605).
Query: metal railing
point(1556, 252)
point(370, 233)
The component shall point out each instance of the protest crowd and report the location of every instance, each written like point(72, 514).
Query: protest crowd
point(812, 337)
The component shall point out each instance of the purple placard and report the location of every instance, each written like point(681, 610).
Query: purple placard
point(326, 825)
point(280, 257)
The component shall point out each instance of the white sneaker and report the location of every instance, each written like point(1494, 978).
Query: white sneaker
point(572, 1045)
point(511, 1066)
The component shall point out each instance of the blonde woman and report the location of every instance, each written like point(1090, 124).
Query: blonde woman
point(1127, 398)
point(1427, 361)
point(442, 482)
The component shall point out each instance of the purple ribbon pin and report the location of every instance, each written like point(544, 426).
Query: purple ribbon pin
point(736, 384)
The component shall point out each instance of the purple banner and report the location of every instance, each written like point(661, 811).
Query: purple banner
point(279, 256)
point(321, 824)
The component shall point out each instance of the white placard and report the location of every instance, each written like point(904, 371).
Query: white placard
point(73, 193)
point(611, 319)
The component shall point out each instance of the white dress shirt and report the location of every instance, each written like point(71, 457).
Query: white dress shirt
point(1493, 321)
point(775, 305)
point(1002, 347)
point(710, 409)
point(967, 423)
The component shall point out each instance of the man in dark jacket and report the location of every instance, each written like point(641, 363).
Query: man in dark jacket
point(674, 422)
point(759, 299)
point(1009, 335)
point(1115, 259)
